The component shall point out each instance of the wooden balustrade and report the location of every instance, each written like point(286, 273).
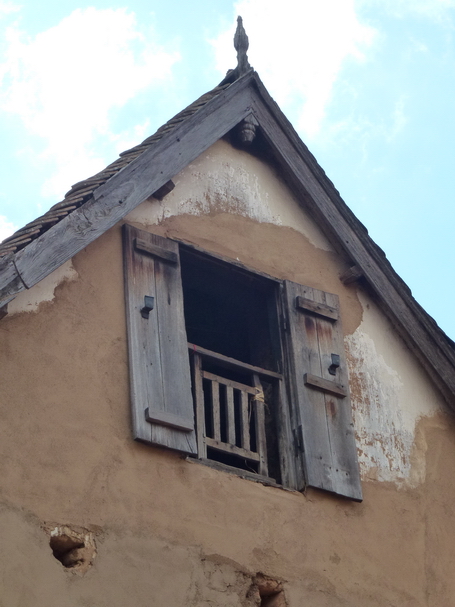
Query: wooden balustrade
point(230, 415)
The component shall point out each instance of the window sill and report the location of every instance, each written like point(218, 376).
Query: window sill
point(250, 476)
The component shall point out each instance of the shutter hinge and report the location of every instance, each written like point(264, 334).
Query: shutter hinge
point(298, 439)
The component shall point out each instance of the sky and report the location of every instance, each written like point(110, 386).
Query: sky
point(368, 85)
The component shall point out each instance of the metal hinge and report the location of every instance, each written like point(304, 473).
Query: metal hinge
point(298, 439)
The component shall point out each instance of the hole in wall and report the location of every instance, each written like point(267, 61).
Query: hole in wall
point(267, 592)
point(74, 549)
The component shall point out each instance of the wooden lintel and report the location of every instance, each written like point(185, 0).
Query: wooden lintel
point(351, 275)
point(164, 190)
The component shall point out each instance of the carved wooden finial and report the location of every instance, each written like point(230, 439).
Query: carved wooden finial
point(241, 46)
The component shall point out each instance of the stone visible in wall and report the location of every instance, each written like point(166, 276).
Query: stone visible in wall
point(266, 592)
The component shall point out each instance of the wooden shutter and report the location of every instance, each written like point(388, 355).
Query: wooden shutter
point(322, 427)
point(158, 352)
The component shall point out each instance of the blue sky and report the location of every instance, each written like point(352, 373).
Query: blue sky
point(368, 84)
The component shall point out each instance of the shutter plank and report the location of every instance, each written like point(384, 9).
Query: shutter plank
point(143, 342)
point(314, 419)
point(159, 365)
point(346, 473)
point(330, 455)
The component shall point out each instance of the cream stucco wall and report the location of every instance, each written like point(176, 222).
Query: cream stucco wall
point(170, 531)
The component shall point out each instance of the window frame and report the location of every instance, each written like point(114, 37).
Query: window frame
point(307, 405)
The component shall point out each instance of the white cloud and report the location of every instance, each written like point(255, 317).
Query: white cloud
point(65, 82)
point(6, 228)
point(299, 47)
point(6, 8)
point(436, 10)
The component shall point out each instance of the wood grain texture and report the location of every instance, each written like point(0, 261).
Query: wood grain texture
point(324, 419)
point(233, 449)
point(229, 382)
point(351, 275)
point(146, 247)
point(232, 363)
point(230, 416)
point(10, 282)
point(244, 420)
point(326, 385)
point(132, 185)
point(164, 418)
point(199, 406)
point(317, 308)
point(159, 364)
point(215, 401)
point(261, 439)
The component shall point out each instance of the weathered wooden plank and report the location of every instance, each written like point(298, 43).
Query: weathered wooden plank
point(10, 282)
point(244, 420)
point(215, 399)
point(199, 408)
point(164, 418)
point(258, 404)
point(345, 467)
point(232, 363)
point(150, 249)
point(311, 418)
point(143, 345)
point(173, 352)
point(316, 308)
point(232, 448)
point(230, 416)
point(164, 190)
point(159, 366)
point(229, 382)
point(133, 184)
point(325, 385)
point(351, 275)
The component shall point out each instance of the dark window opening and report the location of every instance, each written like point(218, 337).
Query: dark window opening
point(229, 311)
point(233, 313)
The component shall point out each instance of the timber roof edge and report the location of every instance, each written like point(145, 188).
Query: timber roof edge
point(83, 190)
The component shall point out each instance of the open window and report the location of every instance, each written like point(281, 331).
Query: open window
point(237, 368)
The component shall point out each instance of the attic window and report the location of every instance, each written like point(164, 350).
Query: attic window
point(267, 391)
point(232, 329)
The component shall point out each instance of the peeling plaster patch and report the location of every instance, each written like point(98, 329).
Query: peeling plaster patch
point(227, 180)
point(385, 442)
point(29, 300)
point(389, 393)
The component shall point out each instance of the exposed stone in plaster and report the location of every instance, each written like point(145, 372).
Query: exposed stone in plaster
point(227, 180)
point(389, 395)
point(30, 299)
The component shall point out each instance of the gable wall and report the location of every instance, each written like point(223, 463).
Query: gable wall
point(173, 532)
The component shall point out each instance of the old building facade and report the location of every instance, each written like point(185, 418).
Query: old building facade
point(233, 400)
